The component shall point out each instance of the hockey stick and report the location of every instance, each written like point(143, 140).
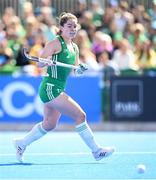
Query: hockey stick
point(47, 61)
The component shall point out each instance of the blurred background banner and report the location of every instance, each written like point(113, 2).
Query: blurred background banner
point(133, 98)
point(19, 101)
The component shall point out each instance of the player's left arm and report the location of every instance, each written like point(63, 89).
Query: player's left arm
point(81, 67)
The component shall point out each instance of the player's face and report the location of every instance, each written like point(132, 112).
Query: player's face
point(70, 29)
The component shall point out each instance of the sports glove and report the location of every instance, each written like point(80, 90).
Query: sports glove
point(80, 70)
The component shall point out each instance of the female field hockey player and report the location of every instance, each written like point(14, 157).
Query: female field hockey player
point(51, 92)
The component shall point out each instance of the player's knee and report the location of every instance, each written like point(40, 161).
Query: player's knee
point(48, 125)
point(81, 117)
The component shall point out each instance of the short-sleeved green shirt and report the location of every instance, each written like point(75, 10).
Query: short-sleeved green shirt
point(55, 81)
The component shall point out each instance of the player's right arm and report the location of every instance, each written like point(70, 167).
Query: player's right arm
point(50, 48)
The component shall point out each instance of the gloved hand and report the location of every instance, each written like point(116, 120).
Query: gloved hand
point(80, 70)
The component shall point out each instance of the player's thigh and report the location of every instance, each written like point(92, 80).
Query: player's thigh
point(66, 105)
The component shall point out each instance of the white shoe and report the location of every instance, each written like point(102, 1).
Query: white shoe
point(19, 149)
point(103, 152)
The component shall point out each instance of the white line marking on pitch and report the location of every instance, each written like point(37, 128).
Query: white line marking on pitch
point(73, 154)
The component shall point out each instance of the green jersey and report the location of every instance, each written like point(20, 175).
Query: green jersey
point(54, 83)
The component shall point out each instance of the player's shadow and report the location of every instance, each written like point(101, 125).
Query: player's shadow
point(51, 164)
point(16, 164)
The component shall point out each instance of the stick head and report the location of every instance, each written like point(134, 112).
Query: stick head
point(25, 52)
point(26, 55)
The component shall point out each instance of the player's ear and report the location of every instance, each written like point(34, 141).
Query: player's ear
point(61, 28)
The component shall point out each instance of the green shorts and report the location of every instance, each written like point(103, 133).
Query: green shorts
point(49, 90)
